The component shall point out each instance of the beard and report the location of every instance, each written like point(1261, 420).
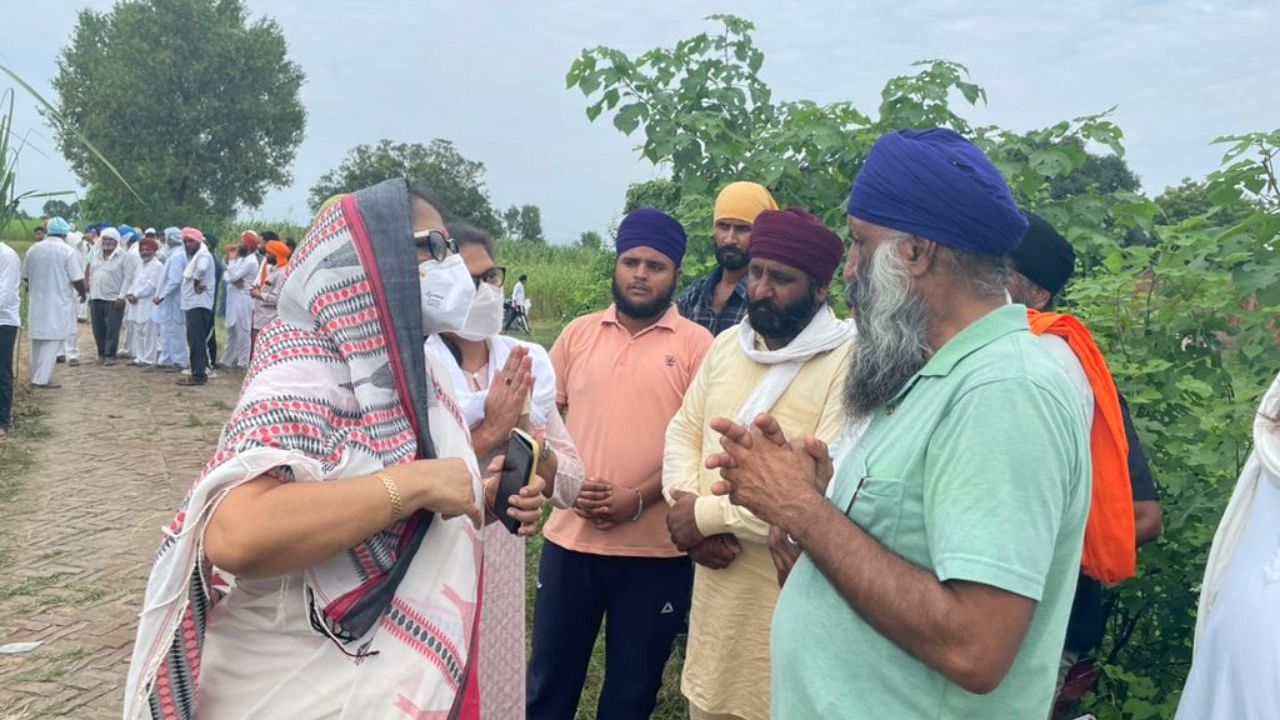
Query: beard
point(645, 311)
point(892, 343)
point(732, 258)
point(782, 323)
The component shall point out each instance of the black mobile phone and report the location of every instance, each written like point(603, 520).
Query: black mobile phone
point(518, 468)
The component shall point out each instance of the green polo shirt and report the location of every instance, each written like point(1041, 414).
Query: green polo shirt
point(978, 471)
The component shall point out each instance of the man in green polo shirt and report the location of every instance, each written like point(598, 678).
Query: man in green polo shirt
point(938, 570)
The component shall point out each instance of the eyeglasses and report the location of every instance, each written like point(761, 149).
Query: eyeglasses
point(435, 243)
point(495, 276)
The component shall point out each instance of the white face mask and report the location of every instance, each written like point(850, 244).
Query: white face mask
point(485, 319)
point(447, 294)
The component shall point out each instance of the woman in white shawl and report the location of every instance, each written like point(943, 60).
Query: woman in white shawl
point(1235, 669)
point(336, 498)
point(477, 357)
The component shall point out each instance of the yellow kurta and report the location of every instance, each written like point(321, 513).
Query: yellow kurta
point(726, 668)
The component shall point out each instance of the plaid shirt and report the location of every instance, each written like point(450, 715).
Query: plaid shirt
point(695, 303)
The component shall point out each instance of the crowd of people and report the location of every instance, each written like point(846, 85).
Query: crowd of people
point(149, 296)
point(909, 513)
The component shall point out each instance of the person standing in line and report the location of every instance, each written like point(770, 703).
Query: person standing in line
point(621, 373)
point(219, 298)
point(141, 312)
point(54, 276)
point(241, 272)
point(266, 290)
point(87, 249)
point(107, 293)
point(719, 301)
point(168, 302)
point(129, 237)
point(198, 284)
point(71, 349)
point(10, 321)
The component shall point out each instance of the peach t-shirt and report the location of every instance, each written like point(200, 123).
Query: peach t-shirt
point(622, 391)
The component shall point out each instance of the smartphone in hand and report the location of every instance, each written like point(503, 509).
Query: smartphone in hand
point(518, 468)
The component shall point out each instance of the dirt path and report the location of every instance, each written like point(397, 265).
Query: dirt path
point(76, 542)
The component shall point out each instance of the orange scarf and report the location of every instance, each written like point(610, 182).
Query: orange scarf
point(1110, 538)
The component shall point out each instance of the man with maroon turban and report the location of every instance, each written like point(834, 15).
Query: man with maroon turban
point(140, 313)
point(788, 358)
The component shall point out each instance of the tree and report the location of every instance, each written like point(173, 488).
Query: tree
point(197, 106)
point(661, 194)
point(591, 240)
point(58, 208)
point(457, 182)
point(530, 224)
point(511, 222)
point(1191, 199)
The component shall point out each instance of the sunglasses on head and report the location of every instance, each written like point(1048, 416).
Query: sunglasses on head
point(435, 243)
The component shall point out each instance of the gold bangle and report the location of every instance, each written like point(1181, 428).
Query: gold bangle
point(393, 493)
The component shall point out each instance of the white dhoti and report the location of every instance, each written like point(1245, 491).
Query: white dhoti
point(44, 355)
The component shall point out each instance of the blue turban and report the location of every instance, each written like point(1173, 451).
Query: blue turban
point(937, 185)
point(58, 226)
point(172, 236)
point(650, 227)
point(128, 233)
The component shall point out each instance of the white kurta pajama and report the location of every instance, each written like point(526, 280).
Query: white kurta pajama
point(139, 316)
point(132, 262)
point(169, 315)
point(243, 270)
point(71, 348)
point(50, 269)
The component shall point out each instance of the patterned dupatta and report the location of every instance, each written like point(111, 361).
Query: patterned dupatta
point(338, 387)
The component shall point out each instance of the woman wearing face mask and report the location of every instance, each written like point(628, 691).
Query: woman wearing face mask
point(266, 291)
point(344, 498)
point(502, 383)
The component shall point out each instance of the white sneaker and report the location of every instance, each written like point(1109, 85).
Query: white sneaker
point(212, 374)
point(186, 371)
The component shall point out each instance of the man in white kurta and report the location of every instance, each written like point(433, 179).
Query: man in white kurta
point(140, 313)
point(71, 349)
point(242, 272)
point(168, 302)
point(129, 237)
point(54, 277)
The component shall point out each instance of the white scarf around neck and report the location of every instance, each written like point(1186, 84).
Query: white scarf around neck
point(823, 333)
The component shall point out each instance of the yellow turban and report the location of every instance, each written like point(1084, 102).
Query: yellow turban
point(743, 201)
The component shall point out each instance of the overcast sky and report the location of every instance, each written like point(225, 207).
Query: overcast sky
point(490, 77)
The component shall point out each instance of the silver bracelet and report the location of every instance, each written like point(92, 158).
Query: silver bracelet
point(640, 509)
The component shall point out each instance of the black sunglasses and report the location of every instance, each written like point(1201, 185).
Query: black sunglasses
point(435, 243)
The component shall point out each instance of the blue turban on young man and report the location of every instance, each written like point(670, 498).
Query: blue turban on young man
point(652, 228)
point(937, 185)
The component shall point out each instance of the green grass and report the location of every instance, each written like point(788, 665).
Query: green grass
point(16, 451)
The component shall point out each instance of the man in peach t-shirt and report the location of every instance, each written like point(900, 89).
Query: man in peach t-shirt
point(621, 374)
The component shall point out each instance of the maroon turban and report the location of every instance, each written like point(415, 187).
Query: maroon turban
point(149, 243)
point(797, 239)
